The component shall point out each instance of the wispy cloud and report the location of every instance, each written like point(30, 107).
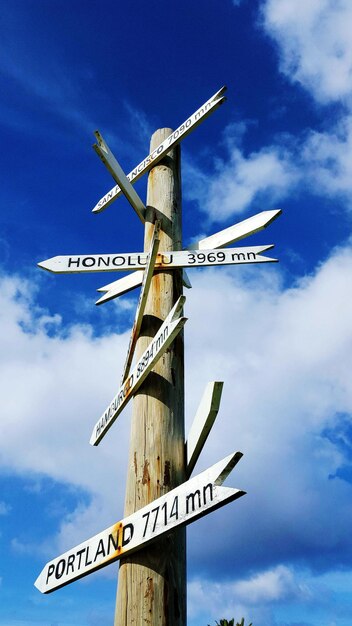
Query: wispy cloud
point(314, 44)
point(4, 508)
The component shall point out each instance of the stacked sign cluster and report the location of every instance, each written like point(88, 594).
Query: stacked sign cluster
point(204, 492)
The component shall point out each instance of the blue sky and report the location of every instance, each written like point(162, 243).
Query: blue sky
point(281, 335)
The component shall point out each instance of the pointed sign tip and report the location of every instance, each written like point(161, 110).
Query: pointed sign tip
point(44, 265)
point(227, 466)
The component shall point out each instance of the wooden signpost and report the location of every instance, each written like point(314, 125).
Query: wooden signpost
point(161, 498)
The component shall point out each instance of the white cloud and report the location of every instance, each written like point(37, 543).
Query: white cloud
point(4, 508)
point(54, 388)
point(319, 160)
point(253, 597)
point(314, 43)
point(263, 177)
point(327, 160)
point(238, 597)
point(242, 180)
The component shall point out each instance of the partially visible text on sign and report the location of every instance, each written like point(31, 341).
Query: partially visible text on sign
point(162, 340)
point(160, 151)
point(164, 260)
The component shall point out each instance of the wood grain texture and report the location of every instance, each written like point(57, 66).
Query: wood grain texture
point(152, 582)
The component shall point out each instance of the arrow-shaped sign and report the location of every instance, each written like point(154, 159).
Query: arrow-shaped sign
point(104, 152)
point(116, 262)
point(162, 340)
point(179, 507)
point(202, 423)
point(172, 140)
point(218, 240)
point(147, 279)
point(238, 231)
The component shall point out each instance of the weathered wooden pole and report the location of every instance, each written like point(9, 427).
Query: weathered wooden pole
point(152, 582)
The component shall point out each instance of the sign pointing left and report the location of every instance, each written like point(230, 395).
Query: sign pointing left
point(179, 507)
point(120, 262)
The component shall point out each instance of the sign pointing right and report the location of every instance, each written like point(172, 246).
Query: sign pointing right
point(218, 240)
point(184, 504)
point(158, 153)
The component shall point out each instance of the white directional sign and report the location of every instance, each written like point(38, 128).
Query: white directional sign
point(179, 507)
point(172, 140)
point(162, 340)
point(116, 262)
point(147, 279)
point(238, 231)
point(129, 282)
point(202, 423)
point(104, 152)
point(218, 240)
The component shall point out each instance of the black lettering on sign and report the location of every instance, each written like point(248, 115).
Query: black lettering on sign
point(88, 261)
point(238, 256)
point(191, 500)
point(194, 500)
point(117, 261)
point(166, 260)
point(102, 261)
point(100, 550)
point(210, 487)
point(127, 534)
point(71, 261)
point(79, 553)
point(70, 562)
point(60, 568)
point(87, 557)
point(114, 541)
point(51, 570)
point(199, 114)
point(251, 255)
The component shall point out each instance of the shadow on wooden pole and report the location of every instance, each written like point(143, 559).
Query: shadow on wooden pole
point(152, 582)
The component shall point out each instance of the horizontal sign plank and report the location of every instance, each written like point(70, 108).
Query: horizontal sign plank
point(182, 505)
point(172, 140)
point(159, 344)
point(116, 262)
